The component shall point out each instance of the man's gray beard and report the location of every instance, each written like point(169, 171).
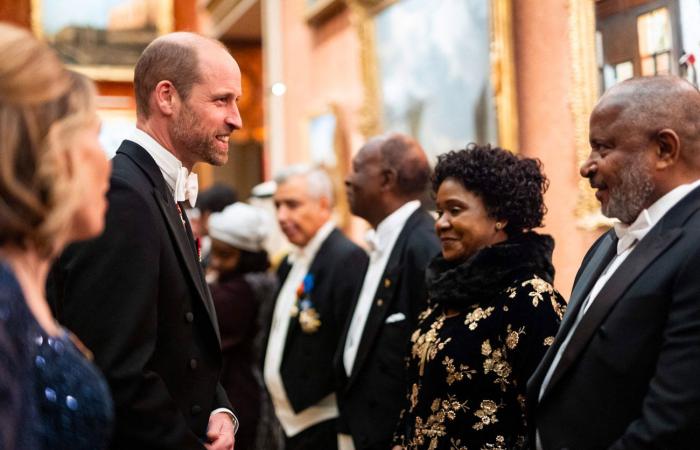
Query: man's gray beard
point(627, 200)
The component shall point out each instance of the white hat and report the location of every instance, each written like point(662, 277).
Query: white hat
point(241, 226)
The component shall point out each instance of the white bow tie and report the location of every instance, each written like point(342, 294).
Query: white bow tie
point(372, 239)
point(627, 236)
point(186, 187)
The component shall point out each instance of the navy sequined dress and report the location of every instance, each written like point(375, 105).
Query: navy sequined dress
point(51, 396)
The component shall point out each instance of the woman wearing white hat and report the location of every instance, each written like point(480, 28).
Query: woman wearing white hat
point(242, 288)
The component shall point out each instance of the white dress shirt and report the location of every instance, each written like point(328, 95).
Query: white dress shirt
point(183, 185)
point(294, 423)
point(381, 244)
point(628, 237)
point(170, 167)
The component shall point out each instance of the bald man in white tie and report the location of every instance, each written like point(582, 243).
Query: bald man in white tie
point(623, 370)
point(137, 296)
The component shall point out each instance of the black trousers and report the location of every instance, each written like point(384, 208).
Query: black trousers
point(322, 436)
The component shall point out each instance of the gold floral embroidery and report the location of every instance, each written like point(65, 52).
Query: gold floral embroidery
point(499, 445)
point(434, 427)
point(456, 375)
point(457, 445)
point(513, 337)
point(512, 292)
point(495, 362)
point(475, 316)
point(424, 315)
point(549, 340)
point(539, 287)
point(559, 308)
point(486, 414)
point(426, 346)
point(414, 396)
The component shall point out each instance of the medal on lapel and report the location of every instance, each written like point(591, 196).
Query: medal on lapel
point(303, 307)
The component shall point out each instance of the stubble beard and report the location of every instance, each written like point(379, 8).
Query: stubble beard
point(187, 132)
point(627, 200)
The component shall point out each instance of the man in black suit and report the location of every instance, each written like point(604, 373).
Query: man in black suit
point(390, 173)
point(136, 295)
point(623, 370)
point(318, 282)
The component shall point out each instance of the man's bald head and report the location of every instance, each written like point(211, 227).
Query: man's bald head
point(174, 57)
point(404, 155)
point(652, 104)
point(387, 172)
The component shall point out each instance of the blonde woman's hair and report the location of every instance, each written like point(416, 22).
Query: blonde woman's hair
point(42, 106)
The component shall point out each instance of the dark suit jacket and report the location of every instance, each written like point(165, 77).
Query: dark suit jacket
point(629, 376)
point(137, 298)
point(307, 361)
point(370, 399)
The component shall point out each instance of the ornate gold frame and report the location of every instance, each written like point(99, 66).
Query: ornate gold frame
point(502, 68)
point(584, 95)
point(164, 25)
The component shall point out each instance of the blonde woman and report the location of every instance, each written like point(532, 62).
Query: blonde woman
point(53, 180)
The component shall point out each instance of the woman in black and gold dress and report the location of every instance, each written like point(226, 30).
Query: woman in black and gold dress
point(493, 311)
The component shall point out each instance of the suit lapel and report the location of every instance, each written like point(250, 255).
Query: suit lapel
point(599, 261)
point(174, 223)
point(648, 250)
point(316, 268)
point(384, 296)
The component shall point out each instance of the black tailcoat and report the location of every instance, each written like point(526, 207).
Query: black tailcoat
point(629, 376)
point(307, 361)
point(137, 298)
point(371, 398)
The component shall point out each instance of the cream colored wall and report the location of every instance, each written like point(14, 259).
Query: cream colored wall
point(320, 66)
point(545, 94)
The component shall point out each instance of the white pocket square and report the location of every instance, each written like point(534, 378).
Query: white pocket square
point(396, 317)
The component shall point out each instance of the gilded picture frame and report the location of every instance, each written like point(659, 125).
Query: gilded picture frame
point(498, 64)
point(101, 38)
point(328, 145)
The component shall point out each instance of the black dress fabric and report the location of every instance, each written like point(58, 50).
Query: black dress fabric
point(490, 321)
point(51, 396)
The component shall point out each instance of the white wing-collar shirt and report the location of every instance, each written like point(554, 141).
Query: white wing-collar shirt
point(183, 184)
point(628, 238)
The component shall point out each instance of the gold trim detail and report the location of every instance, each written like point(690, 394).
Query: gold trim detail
point(362, 16)
point(584, 94)
point(503, 73)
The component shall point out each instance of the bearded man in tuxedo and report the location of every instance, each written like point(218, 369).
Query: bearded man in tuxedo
point(136, 295)
point(622, 372)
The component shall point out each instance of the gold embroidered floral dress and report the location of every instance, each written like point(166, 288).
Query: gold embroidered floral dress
point(490, 321)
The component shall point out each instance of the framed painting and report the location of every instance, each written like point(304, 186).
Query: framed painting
point(442, 72)
point(101, 38)
point(327, 142)
point(436, 88)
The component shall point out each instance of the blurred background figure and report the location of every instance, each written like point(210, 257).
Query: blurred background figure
point(493, 311)
point(211, 200)
point(318, 282)
point(242, 288)
point(390, 175)
point(53, 179)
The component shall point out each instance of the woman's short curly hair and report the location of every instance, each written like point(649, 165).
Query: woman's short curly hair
point(512, 187)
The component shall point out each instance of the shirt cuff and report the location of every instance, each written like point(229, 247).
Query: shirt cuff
point(234, 419)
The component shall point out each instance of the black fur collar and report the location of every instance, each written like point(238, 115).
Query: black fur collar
point(490, 270)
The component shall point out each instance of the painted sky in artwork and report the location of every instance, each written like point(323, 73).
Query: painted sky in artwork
point(57, 14)
point(435, 72)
